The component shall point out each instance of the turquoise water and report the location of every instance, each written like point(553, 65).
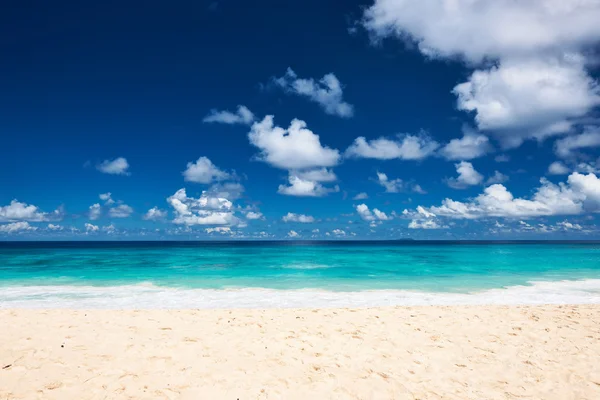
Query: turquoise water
point(334, 267)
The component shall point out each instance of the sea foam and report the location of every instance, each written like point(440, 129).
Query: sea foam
point(148, 296)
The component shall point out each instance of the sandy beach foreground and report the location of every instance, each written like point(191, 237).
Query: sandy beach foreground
point(477, 352)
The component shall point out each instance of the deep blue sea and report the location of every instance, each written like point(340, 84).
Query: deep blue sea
point(295, 274)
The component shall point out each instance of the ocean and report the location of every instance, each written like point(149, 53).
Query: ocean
point(116, 275)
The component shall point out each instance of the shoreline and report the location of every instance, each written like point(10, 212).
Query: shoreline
point(148, 296)
point(426, 352)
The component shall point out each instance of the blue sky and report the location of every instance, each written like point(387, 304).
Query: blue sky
point(378, 119)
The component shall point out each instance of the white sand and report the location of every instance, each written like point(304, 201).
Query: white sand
point(457, 352)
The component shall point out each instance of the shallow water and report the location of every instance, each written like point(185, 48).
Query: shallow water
point(106, 274)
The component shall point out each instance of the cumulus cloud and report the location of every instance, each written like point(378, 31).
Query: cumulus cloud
point(418, 189)
point(17, 211)
point(424, 224)
point(467, 176)
point(390, 185)
point(569, 226)
point(531, 98)
point(120, 211)
point(537, 86)
point(293, 148)
point(305, 188)
point(91, 228)
point(54, 227)
point(223, 230)
point(368, 215)
point(293, 234)
point(155, 214)
point(316, 175)
point(254, 215)
point(498, 177)
point(16, 227)
point(338, 232)
point(327, 92)
point(118, 166)
point(558, 168)
point(361, 196)
point(423, 219)
point(205, 210)
point(203, 171)
point(471, 145)
point(581, 193)
point(406, 147)
point(109, 229)
point(94, 212)
point(291, 217)
point(229, 190)
point(242, 116)
point(477, 30)
point(107, 198)
point(568, 146)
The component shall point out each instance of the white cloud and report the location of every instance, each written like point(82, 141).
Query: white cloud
point(155, 214)
point(533, 98)
point(390, 185)
point(478, 30)
point(424, 224)
point(291, 217)
point(558, 168)
point(361, 196)
point(470, 146)
point(118, 166)
point(327, 92)
point(293, 148)
point(498, 177)
point(293, 234)
point(567, 147)
point(16, 227)
point(380, 215)
point(53, 227)
point(564, 226)
point(94, 212)
point(538, 85)
point(407, 147)
point(242, 116)
point(17, 211)
point(338, 232)
point(569, 226)
point(419, 189)
point(203, 171)
point(316, 175)
point(109, 229)
point(589, 167)
point(219, 229)
point(254, 215)
point(107, 198)
point(305, 188)
point(205, 210)
point(424, 212)
point(467, 176)
point(366, 214)
point(91, 228)
point(120, 211)
point(581, 193)
point(229, 190)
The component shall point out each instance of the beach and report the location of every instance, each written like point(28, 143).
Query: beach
point(428, 352)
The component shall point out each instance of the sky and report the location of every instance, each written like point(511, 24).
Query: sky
point(300, 120)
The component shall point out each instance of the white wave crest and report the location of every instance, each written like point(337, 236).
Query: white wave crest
point(148, 296)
